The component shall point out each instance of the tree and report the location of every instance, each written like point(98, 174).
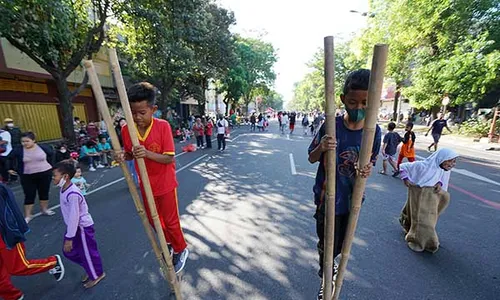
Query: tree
point(251, 71)
point(233, 85)
point(309, 93)
point(214, 53)
point(57, 35)
point(273, 100)
point(439, 47)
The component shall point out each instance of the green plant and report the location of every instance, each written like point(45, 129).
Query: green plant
point(477, 128)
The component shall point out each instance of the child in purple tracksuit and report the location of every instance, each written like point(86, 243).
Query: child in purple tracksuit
point(80, 245)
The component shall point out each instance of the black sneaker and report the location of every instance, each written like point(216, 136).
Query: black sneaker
point(320, 292)
point(171, 251)
point(58, 270)
point(180, 260)
point(396, 174)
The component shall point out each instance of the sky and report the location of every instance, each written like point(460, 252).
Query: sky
point(296, 28)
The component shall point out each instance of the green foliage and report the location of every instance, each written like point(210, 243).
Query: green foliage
point(251, 73)
point(438, 47)
point(477, 128)
point(309, 93)
point(272, 100)
point(57, 35)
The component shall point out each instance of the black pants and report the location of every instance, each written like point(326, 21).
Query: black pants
point(4, 168)
point(340, 231)
point(32, 183)
point(221, 141)
point(199, 141)
point(208, 138)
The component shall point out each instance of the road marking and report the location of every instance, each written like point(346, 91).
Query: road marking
point(191, 163)
point(495, 205)
point(468, 174)
point(177, 155)
point(292, 165)
point(123, 178)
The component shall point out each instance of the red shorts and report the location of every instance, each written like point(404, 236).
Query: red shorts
point(292, 126)
point(400, 159)
point(168, 212)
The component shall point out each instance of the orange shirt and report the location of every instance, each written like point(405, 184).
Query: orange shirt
point(408, 148)
point(158, 139)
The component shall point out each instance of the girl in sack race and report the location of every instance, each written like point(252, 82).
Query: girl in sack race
point(428, 197)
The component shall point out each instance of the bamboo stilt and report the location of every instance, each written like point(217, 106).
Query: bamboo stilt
point(374, 93)
point(122, 92)
point(330, 169)
point(104, 111)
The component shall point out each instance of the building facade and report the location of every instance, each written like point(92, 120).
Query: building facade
point(29, 95)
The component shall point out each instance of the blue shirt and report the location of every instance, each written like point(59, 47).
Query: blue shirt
point(84, 151)
point(81, 183)
point(103, 147)
point(438, 125)
point(348, 146)
point(392, 140)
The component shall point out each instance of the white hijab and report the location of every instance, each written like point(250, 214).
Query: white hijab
point(428, 172)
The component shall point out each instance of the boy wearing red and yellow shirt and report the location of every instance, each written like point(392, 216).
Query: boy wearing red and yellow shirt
point(157, 149)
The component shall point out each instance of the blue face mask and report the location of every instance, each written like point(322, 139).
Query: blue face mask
point(355, 115)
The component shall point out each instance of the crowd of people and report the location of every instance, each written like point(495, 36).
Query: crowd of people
point(38, 166)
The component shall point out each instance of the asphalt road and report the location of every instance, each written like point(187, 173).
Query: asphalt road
point(247, 216)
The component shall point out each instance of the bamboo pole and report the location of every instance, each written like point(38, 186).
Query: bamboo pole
point(122, 92)
point(374, 93)
point(328, 248)
point(103, 109)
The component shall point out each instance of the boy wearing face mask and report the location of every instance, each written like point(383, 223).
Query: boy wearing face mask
point(80, 245)
point(349, 131)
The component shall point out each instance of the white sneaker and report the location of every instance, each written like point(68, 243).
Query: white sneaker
point(21, 298)
point(99, 166)
point(92, 169)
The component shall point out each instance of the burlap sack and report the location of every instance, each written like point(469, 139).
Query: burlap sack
point(420, 215)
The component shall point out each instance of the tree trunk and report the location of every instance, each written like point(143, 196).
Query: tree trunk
point(66, 108)
point(395, 116)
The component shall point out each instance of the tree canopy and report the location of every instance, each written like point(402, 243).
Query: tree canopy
point(439, 47)
point(309, 93)
point(57, 35)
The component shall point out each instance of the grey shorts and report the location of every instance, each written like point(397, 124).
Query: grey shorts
point(436, 137)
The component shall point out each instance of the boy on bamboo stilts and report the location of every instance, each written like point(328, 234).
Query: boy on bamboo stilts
point(349, 131)
point(158, 150)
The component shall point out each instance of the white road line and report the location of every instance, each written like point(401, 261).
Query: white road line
point(468, 173)
point(177, 155)
point(292, 165)
point(123, 178)
point(191, 163)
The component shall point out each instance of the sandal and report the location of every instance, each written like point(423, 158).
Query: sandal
point(382, 172)
point(91, 284)
point(85, 278)
point(48, 212)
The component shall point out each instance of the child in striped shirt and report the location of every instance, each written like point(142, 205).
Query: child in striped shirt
point(80, 245)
